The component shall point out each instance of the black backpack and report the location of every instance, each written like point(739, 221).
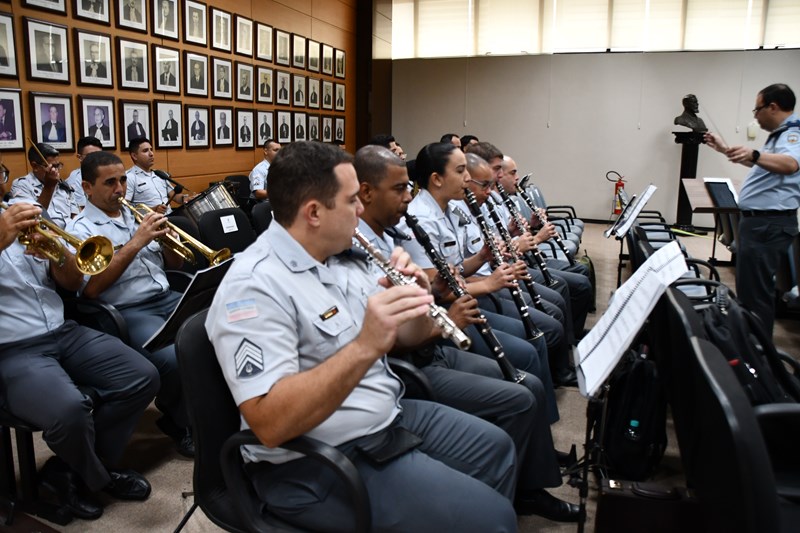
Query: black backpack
point(635, 437)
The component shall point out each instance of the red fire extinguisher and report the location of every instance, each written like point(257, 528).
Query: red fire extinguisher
point(619, 185)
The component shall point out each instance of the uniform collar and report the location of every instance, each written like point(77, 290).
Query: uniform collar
point(292, 254)
point(95, 215)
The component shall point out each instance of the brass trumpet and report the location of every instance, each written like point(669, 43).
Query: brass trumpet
point(92, 255)
point(179, 244)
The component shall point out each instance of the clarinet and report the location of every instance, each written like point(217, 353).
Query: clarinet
point(497, 259)
point(487, 334)
point(542, 217)
point(437, 313)
point(512, 250)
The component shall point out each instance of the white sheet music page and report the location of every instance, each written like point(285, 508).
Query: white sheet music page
point(624, 227)
point(601, 349)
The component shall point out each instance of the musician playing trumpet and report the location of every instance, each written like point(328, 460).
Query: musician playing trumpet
point(135, 281)
point(43, 361)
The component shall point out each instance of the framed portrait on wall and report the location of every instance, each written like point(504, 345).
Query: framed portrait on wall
point(8, 50)
point(244, 129)
point(299, 91)
point(196, 74)
point(97, 120)
point(94, 10)
point(327, 94)
point(222, 77)
point(264, 42)
point(134, 121)
point(298, 51)
point(313, 55)
point(195, 23)
point(265, 85)
point(220, 30)
point(59, 6)
point(283, 88)
point(284, 127)
point(327, 129)
point(52, 120)
point(339, 105)
point(339, 132)
point(169, 130)
point(196, 121)
point(94, 58)
point(282, 48)
point(299, 126)
point(48, 57)
point(132, 14)
point(313, 93)
point(11, 137)
point(165, 18)
point(313, 128)
point(166, 69)
point(327, 60)
point(264, 128)
point(132, 63)
point(244, 82)
point(223, 122)
point(244, 36)
point(339, 64)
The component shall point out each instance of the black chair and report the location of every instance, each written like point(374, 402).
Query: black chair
point(215, 232)
point(261, 216)
point(187, 225)
point(242, 193)
point(221, 487)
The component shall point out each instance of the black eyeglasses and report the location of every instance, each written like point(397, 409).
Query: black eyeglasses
point(55, 166)
point(759, 108)
point(485, 185)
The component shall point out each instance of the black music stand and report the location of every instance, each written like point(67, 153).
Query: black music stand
point(724, 204)
point(198, 296)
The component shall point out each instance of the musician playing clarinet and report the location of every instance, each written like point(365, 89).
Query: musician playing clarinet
point(304, 355)
point(135, 281)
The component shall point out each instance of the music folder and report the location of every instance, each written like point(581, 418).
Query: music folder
point(198, 296)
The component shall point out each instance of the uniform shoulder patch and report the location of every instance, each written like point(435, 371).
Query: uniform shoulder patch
point(793, 138)
point(249, 360)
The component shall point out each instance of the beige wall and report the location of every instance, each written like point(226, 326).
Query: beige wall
point(330, 21)
point(571, 118)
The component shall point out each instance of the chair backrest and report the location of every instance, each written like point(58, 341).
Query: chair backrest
point(226, 228)
point(242, 195)
point(261, 216)
point(186, 224)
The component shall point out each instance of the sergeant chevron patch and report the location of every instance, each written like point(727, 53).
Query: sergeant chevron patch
point(249, 360)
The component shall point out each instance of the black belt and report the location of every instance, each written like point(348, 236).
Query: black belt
point(770, 213)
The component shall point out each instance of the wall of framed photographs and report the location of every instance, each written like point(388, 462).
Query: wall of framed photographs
point(206, 82)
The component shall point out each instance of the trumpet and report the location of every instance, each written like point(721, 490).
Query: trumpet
point(179, 244)
point(440, 317)
point(92, 255)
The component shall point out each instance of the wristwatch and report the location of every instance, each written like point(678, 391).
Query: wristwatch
point(756, 155)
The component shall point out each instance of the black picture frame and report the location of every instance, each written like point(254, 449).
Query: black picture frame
point(11, 121)
point(244, 36)
point(48, 59)
point(327, 59)
point(197, 120)
point(266, 85)
point(93, 124)
point(57, 6)
point(8, 48)
point(165, 19)
point(283, 126)
point(299, 126)
point(264, 42)
point(299, 91)
point(282, 87)
point(339, 64)
point(55, 129)
point(195, 22)
point(314, 130)
point(132, 56)
point(166, 70)
point(218, 67)
point(134, 121)
point(245, 140)
point(196, 75)
point(264, 133)
point(339, 129)
point(168, 127)
point(93, 65)
point(282, 48)
point(298, 51)
point(313, 56)
point(244, 82)
point(327, 129)
point(223, 118)
point(340, 97)
point(327, 94)
point(314, 93)
point(94, 10)
point(132, 15)
point(220, 30)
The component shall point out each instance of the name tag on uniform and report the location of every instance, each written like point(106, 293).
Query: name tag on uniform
point(449, 243)
point(330, 313)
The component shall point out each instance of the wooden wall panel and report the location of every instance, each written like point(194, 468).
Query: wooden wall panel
point(328, 21)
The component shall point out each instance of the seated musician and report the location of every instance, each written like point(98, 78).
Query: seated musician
point(258, 176)
point(144, 187)
point(43, 360)
point(86, 145)
point(43, 185)
point(135, 282)
point(304, 355)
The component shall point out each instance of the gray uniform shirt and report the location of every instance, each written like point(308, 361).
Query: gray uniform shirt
point(147, 188)
point(62, 204)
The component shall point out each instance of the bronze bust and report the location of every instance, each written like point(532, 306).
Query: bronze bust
point(689, 116)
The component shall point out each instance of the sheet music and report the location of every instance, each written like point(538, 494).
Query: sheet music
point(633, 214)
point(726, 181)
point(601, 349)
point(622, 216)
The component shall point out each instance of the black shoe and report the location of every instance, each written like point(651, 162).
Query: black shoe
point(565, 378)
point(185, 445)
point(127, 485)
point(542, 503)
point(182, 436)
point(65, 486)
